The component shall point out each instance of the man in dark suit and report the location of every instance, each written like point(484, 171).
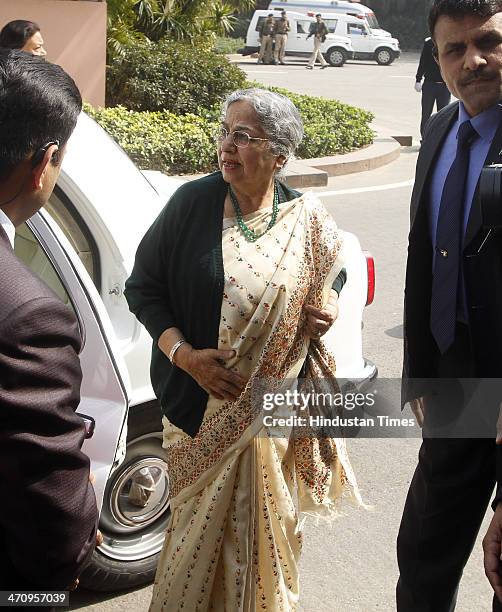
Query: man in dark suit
point(434, 90)
point(48, 514)
point(453, 306)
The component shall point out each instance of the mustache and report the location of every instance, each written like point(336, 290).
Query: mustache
point(478, 75)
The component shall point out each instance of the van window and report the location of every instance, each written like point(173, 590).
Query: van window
point(303, 27)
point(331, 25)
point(356, 29)
point(260, 21)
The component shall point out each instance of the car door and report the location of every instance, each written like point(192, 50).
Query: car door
point(297, 42)
point(42, 246)
point(359, 35)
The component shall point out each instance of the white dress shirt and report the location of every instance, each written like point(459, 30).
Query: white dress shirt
point(8, 227)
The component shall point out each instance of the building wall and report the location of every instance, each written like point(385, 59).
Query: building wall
point(75, 38)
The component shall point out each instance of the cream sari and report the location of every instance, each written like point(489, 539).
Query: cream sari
point(234, 541)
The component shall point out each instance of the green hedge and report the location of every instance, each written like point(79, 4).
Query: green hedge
point(178, 77)
point(331, 127)
point(161, 140)
point(184, 144)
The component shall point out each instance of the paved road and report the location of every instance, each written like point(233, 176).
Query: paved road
point(350, 566)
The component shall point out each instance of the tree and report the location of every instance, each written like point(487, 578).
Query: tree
point(406, 20)
point(135, 20)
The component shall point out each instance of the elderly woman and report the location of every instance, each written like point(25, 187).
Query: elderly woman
point(23, 35)
point(234, 281)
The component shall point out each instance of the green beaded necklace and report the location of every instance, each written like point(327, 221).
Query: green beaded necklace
point(249, 234)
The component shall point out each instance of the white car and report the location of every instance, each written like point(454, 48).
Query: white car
point(83, 245)
point(336, 49)
point(368, 44)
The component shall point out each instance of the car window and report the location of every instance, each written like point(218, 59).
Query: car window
point(331, 25)
point(355, 29)
point(303, 27)
point(31, 253)
point(77, 233)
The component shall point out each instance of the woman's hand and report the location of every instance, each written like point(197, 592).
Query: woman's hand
point(206, 368)
point(318, 321)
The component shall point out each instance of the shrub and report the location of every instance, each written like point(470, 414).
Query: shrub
point(241, 26)
point(225, 46)
point(330, 126)
point(161, 140)
point(184, 144)
point(178, 77)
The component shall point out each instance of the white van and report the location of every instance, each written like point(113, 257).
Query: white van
point(367, 44)
point(336, 49)
point(332, 6)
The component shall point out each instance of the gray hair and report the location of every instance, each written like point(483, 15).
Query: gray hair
point(278, 116)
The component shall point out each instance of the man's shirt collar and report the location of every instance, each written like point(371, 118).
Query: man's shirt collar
point(485, 124)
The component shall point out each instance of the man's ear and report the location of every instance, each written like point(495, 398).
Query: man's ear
point(39, 171)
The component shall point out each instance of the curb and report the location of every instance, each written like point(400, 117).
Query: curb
point(315, 172)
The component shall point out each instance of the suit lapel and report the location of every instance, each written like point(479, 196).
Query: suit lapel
point(494, 156)
point(428, 153)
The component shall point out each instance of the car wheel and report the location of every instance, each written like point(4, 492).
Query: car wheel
point(336, 56)
point(133, 534)
point(384, 56)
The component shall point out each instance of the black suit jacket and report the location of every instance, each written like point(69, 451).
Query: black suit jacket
point(482, 263)
point(48, 514)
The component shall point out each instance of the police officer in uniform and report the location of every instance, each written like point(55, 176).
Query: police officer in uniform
point(281, 37)
point(434, 89)
point(267, 34)
point(319, 31)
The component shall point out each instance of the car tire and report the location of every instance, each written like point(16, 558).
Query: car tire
point(129, 554)
point(336, 56)
point(384, 56)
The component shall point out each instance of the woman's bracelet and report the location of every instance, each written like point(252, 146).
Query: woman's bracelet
point(174, 348)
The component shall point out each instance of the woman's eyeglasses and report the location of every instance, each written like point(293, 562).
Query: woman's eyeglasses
point(239, 138)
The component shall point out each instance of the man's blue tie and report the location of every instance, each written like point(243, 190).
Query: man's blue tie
point(449, 239)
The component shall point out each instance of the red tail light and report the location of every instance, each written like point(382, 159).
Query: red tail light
point(370, 266)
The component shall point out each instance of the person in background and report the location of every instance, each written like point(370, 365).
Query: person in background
point(23, 35)
point(267, 34)
point(48, 514)
point(281, 38)
point(434, 89)
point(319, 31)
